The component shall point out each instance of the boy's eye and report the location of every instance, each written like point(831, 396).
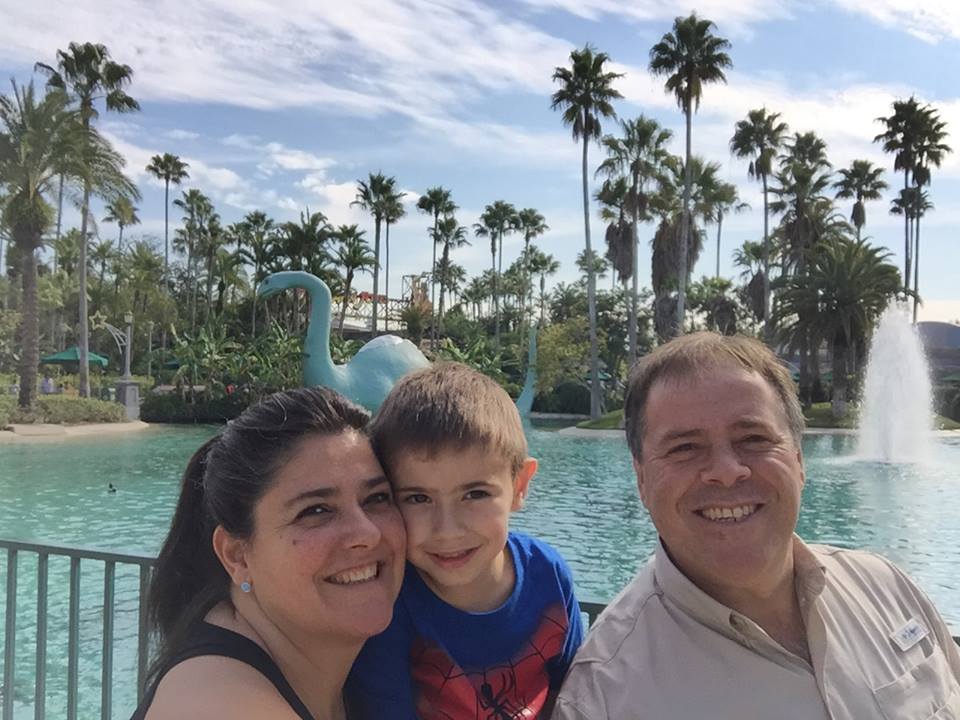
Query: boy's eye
point(416, 499)
point(476, 494)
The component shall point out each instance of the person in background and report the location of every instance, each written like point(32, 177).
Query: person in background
point(487, 621)
point(735, 616)
point(285, 553)
point(46, 385)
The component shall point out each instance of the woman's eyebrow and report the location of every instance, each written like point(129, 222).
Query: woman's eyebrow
point(327, 492)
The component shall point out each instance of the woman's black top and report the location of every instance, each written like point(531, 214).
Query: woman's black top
point(208, 639)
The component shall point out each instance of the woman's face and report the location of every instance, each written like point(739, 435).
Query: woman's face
point(328, 548)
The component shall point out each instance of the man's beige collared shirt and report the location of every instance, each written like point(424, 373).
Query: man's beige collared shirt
point(666, 650)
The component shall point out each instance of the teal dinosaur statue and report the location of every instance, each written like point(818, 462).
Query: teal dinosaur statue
point(525, 401)
point(371, 373)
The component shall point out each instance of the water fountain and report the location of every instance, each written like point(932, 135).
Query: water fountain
point(896, 416)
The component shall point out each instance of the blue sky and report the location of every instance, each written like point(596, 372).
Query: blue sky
point(282, 105)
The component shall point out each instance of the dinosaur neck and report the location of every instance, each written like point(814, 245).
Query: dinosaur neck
point(317, 341)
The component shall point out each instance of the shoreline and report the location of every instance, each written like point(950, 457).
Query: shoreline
point(41, 432)
point(574, 431)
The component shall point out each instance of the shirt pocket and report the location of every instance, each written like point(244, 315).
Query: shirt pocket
point(927, 691)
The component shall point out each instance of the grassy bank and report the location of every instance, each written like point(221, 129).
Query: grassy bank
point(60, 410)
point(818, 416)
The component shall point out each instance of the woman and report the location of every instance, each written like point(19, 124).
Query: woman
point(285, 553)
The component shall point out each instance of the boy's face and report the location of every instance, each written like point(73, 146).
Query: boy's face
point(456, 506)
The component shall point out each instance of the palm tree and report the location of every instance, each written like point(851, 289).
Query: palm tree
point(844, 289)
point(304, 247)
point(87, 73)
point(725, 199)
point(170, 169)
point(374, 197)
point(452, 235)
point(436, 201)
point(124, 213)
point(532, 224)
point(101, 254)
point(393, 211)
point(36, 137)
point(690, 57)
point(543, 265)
point(861, 181)
point(497, 219)
point(260, 251)
point(639, 155)
point(353, 254)
point(585, 96)
point(914, 203)
point(257, 231)
point(198, 211)
point(760, 138)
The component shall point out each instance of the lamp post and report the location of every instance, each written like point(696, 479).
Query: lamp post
point(128, 319)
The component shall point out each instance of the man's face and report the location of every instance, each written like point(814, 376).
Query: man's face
point(721, 478)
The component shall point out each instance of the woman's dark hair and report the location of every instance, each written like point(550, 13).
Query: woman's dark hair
point(223, 482)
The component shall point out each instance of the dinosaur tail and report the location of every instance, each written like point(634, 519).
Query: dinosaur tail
point(525, 401)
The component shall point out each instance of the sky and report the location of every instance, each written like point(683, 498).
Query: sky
point(284, 105)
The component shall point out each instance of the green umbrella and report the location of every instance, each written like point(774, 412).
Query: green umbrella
point(71, 356)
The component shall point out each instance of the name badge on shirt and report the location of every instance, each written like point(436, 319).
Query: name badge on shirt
point(910, 634)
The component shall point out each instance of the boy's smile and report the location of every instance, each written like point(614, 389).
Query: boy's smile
point(456, 506)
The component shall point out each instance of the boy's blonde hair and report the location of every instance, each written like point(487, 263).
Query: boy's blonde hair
point(448, 406)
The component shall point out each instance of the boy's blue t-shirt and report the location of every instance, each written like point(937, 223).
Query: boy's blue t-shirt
point(435, 661)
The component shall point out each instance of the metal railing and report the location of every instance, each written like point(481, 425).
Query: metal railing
point(14, 550)
point(143, 563)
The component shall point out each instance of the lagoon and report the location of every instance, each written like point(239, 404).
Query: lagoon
point(583, 501)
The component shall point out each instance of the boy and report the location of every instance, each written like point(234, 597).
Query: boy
point(486, 624)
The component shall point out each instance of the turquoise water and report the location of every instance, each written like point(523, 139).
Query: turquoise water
point(584, 501)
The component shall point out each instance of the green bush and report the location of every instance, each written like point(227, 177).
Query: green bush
point(172, 408)
point(568, 397)
point(59, 410)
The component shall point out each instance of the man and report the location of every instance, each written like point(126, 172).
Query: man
point(735, 616)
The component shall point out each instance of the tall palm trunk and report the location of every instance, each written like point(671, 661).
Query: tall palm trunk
point(376, 271)
point(443, 285)
point(634, 285)
point(591, 294)
point(346, 298)
point(767, 327)
point(206, 314)
point(543, 285)
point(84, 327)
point(30, 323)
point(59, 219)
point(253, 330)
point(496, 294)
point(838, 400)
point(386, 277)
point(719, 229)
point(906, 233)
point(433, 282)
point(916, 267)
point(685, 226)
point(166, 232)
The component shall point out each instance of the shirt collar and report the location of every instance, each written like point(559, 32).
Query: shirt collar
point(809, 580)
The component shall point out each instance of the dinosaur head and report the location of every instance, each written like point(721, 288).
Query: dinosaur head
point(278, 282)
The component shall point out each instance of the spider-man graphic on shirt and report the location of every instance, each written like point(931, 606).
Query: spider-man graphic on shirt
point(513, 690)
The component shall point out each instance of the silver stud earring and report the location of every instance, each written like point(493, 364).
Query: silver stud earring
point(245, 586)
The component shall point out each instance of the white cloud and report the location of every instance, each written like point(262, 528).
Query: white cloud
point(179, 134)
point(929, 21)
point(736, 16)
